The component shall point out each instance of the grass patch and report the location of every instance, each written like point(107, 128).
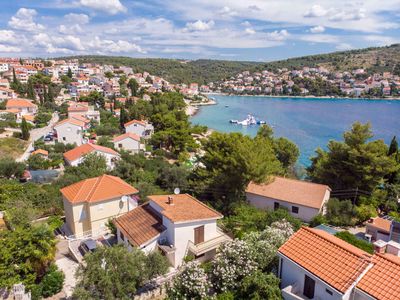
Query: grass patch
point(12, 147)
point(352, 239)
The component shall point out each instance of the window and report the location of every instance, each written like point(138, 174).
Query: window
point(199, 235)
point(276, 205)
point(309, 287)
point(295, 209)
point(120, 145)
point(64, 138)
point(329, 292)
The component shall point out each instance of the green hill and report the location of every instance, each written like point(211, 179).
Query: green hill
point(378, 59)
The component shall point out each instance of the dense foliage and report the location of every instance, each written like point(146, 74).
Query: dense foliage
point(352, 239)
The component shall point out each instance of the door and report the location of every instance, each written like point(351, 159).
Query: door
point(309, 287)
point(199, 235)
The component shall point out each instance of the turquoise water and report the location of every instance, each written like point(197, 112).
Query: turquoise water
point(310, 123)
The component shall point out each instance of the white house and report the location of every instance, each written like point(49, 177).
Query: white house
point(178, 225)
point(128, 141)
point(70, 131)
point(83, 109)
point(303, 199)
point(90, 203)
point(77, 155)
point(140, 128)
point(24, 106)
point(314, 264)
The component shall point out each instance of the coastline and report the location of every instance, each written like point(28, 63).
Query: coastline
point(193, 108)
point(306, 96)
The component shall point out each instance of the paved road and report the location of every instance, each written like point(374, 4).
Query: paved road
point(36, 134)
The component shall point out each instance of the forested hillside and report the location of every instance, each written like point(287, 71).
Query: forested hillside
point(378, 59)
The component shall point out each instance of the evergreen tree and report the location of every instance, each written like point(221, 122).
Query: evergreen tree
point(31, 91)
point(24, 130)
point(133, 85)
point(16, 84)
point(50, 93)
point(123, 118)
point(21, 62)
point(394, 147)
point(15, 80)
point(69, 73)
point(45, 95)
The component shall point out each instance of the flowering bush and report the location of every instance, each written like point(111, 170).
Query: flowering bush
point(265, 244)
point(233, 262)
point(191, 283)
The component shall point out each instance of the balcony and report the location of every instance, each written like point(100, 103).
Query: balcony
point(210, 244)
point(293, 292)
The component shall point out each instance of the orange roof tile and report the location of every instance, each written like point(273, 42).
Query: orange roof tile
point(80, 118)
point(71, 121)
point(331, 259)
point(125, 136)
point(380, 223)
point(97, 189)
point(184, 208)
point(85, 149)
point(382, 280)
point(140, 225)
point(40, 151)
point(290, 190)
point(29, 118)
point(135, 121)
point(19, 103)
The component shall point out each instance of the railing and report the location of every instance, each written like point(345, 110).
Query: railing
point(210, 244)
point(290, 293)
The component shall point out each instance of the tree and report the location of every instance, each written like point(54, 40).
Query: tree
point(52, 282)
point(260, 286)
point(123, 118)
point(122, 79)
point(30, 91)
point(69, 73)
point(38, 162)
point(133, 86)
point(354, 163)
point(112, 273)
point(24, 130)
point(109, 74)
point(10, 168)
point(340, 212)
point(286, 152)
point(65, 79)
point(94, 98)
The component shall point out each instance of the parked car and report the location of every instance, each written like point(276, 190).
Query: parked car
point(86, 246)
point(48, 138)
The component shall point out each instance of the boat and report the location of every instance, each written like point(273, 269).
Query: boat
point(234, 121)
point(250, 120)
point(226, 105)
point(261, 122)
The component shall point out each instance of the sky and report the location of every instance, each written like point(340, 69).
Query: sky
point(256, 30)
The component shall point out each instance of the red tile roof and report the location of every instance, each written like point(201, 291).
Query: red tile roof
point(290, 190)
point(331, 259)
point(135, 121)
point(71, 121)
point(19, 103)
point(382, 281)
point(125, 136)
point(40, 151)
point(140, 225)
point(185, 208)
point(85, 149)
point(97, 189)
point(380, 223)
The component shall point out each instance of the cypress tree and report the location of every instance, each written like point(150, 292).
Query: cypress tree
point(69, 73)
point(24, 130)
point(394, 147)
point(50, 94)
point(123, 118)
point(15, 80)
point(31, 91)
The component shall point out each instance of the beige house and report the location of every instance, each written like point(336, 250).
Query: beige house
point(90, 203)
point(303, 199)
point(140, 128)
point(129, 142)
point(70, 131)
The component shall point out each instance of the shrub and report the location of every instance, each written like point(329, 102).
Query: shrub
point(52, 282)
point(365, 212)
point(352, 239)
point(260, 286)
point(318, 220)
point(157, 264)
point(340, 212)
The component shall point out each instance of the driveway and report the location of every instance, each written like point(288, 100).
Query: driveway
point(66, 264)
point(36, 134)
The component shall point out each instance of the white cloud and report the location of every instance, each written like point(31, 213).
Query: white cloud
point(382, 40)
point(319, 38)
point(250, 31)
point(111, 7)
point(254, 8)
point(278, 35)
point(344, 46)
point(246, 23)
point(70, 29)
point(109, 46)
point(317, 29)
point(5, 48)
point(226, 11)
point(7, 36)
point(24, 20)
point(200, 25)
point(351, 15)
point(77, 18)
point(316, 11)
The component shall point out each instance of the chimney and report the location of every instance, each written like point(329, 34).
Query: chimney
point(170, 200)
point(380, 247)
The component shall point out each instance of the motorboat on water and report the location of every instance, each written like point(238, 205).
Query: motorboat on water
point(250, 120)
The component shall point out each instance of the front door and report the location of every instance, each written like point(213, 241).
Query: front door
point(309, 287)
point(199, 235)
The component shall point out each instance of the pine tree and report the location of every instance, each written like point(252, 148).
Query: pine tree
point(24, 130)
point(69, 73)
point(123, 118)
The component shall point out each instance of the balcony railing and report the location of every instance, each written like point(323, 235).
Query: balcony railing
point(209, 244)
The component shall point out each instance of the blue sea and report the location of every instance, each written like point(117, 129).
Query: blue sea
point(308, 122)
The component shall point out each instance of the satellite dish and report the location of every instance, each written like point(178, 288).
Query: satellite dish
point(177, 191)
point(124, 198)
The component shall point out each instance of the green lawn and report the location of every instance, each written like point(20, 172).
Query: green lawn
point(12, 147)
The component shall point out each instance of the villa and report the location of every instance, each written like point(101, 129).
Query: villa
point(140, 128)
point(304, 200)
point(129, 142)
point(70, 131)
point(178, 225)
